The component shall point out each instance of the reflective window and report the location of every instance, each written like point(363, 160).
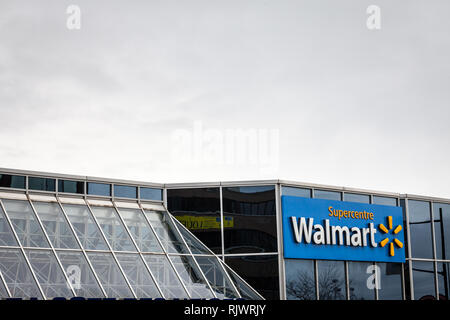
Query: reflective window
point(25, 224)
point(150, 194)
point(162, 224)
point(420, 229)
point(17, 274)
point(423, 278)
point(214, 273)
point(300, 280)
point(110, 275)
point(441, 214)
point(325, 194)
point(198, 209)
point(165, 276)
point(390, 282)
point(358, 276)
point(49, 274)
point(55, 225)
point(260, 272)
point(331, 280)
point(138, 275)
point(85, 227)
point(79, 274)
point(353, 197)
point(10, 181)
point(192, 277)
point(42, 184)
point(140, 230)
point(6, 234)
point(194, 244)
point(99, 189)
point(385, 201)
point(443, 270)
point(69, 186)
point(296, 192)
point(113, 229)
point(249, 219)
point(125, 191)
point(244, 289)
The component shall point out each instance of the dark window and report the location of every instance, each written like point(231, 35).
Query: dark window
point(260, 272)
point(328, 195)
point(198, 209)
point(443, 270)
point(385, 201)
point(390, 281)
point(423, 278)
point(69, 186)
point(300, 280)
point(249, 219)
point(331, 280)
point(151, 194)
point(9, 181)
point(420, 229)
point(353, 197)
point(441, 214)
point(296, 192)
point(358, 276)
point(125, 191)
point(43, 184)
point(99, 189)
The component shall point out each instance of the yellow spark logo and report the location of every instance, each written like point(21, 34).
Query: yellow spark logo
point(386, 240)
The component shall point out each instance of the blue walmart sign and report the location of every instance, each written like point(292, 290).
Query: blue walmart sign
point(339, 230)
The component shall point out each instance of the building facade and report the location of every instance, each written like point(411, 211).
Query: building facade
point(229, 240)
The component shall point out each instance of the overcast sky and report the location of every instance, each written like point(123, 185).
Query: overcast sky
point(175, 91)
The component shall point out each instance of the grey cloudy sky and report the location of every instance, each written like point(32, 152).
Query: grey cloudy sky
point(345, 105)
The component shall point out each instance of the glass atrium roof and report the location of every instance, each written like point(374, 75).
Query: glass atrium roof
point(56, 246)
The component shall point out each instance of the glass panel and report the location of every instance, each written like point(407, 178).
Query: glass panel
point(3, 291)
point(6, 234)
point(198, 209)
point(140, 230)
point(79, 274)
point(43, 184)
point(296, 192)
point(125, 191)
point(420, 229)
point(329, 195)
point(138, 275)
point(441, 214)
point(194, 244)
point(249, 219)
point(423, 277)
point(109, 275)
point(165, 276)
point(331, 280)
point(9, 181)
point(443, 280)
point(300, 280)
point(353, 197)
point(55, 225)
point(17, 274)
point(150, 194)
point(99, 189)
point(113, 229)
point(191, 276)
point(385, 201)
point(25, 224)
point(215, 275)
point(49, 274)
point(390, 281)
point(358, 276)
point(166, 232)
point(85, 227)
point(260, 272)
point(68, 186)
point(245, 290)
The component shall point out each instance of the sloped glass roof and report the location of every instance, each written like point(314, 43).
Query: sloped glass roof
point(53, 246)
